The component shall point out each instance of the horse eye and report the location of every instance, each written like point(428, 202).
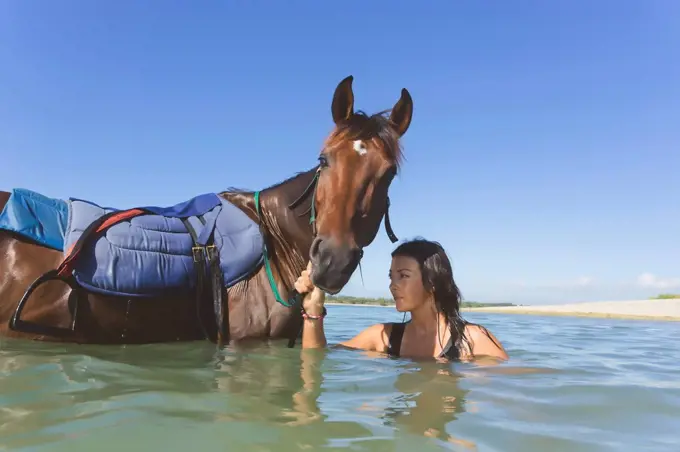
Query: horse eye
point(323, 161)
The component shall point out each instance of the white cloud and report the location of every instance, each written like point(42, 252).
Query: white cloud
point(652, 281)
point(584, 281)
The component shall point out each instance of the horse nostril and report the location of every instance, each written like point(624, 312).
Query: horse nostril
point(314, 250)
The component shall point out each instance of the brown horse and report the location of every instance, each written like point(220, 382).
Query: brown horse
point(327, 215)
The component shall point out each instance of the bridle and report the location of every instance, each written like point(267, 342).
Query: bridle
point(310, 189)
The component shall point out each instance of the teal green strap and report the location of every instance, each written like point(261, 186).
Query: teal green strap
point(267, 267)
point(312, 216)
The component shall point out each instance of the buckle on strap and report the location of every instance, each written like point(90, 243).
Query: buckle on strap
point(211, 251)
point(197, 252)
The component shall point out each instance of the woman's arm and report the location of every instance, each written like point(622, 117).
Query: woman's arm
point(369, 339)
point(313, 335)
point(313, 311)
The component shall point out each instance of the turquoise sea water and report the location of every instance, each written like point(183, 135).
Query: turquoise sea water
point(572, 384)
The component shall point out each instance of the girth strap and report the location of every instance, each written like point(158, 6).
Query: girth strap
point(205, 249)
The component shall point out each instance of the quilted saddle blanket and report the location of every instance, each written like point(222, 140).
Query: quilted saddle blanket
point(153, 253)
point(36, 217)
point(150, 253)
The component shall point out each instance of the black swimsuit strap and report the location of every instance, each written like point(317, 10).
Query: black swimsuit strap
point(449, 351)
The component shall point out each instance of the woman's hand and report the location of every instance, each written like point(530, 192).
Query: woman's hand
point(313, 297)
point(313, 335)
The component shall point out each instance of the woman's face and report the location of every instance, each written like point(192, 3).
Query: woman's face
point(406, 284)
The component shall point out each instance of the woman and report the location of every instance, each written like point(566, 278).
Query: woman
point(421, 282)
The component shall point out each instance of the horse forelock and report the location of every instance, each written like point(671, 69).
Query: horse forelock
point(361, 126)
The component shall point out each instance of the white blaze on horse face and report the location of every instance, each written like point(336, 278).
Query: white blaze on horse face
point(360, 147)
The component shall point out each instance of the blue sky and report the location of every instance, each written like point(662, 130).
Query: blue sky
point(543, 152)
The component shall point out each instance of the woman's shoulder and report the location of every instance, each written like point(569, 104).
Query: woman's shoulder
point(374, 338)
point(482, 342)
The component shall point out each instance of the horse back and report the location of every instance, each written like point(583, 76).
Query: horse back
point(111, 319)
point(100, 318)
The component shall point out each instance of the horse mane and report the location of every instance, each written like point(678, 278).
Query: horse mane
point(247, 191)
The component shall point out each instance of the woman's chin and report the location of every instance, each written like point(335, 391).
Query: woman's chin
point(399, 305)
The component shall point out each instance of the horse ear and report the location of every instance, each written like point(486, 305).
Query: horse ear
point(343, 101)
point(402, 113)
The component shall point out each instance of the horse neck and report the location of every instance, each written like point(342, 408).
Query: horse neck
point(288, 232)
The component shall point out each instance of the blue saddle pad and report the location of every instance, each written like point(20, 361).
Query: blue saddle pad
point(36, 217)
point(151, 254)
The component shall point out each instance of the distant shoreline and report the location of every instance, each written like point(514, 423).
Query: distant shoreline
point(652, 309)
point(473, 306)
point(655, 309)
point(336, 300)
point(363, 305)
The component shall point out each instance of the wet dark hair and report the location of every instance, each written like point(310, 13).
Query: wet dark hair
point(437, 275)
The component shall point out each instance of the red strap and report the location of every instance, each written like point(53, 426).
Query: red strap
point(117, 218)
point(66, 266)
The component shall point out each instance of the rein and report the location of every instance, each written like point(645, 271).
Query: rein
point(311, 189)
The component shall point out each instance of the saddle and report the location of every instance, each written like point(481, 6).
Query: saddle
point(156, 251)
point(146, 251)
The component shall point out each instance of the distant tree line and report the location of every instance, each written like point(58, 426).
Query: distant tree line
point(389, 302)
point(666, 296)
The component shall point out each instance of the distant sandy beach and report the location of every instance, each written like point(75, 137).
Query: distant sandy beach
point(328, 303)
point(635, 309)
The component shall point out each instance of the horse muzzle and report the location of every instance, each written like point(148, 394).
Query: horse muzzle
point(333, 263)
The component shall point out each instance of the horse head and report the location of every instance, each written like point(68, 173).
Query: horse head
point(359, 159)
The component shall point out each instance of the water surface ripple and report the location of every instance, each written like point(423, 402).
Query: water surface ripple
point(571, 384)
